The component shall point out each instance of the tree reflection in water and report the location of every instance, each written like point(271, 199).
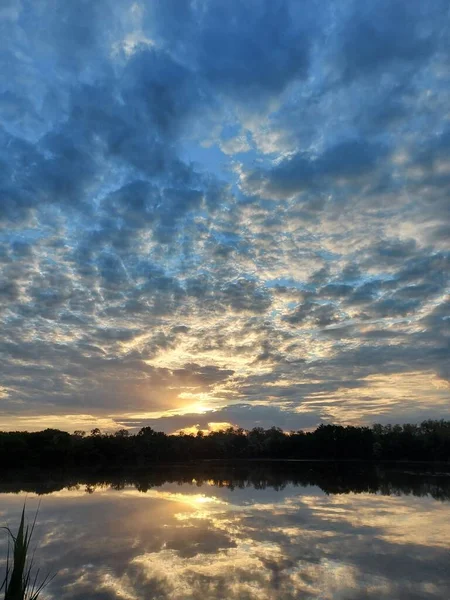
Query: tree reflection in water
point(274, 530)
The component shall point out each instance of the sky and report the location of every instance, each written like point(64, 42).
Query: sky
point(221, 212)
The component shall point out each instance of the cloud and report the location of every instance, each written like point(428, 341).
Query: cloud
point(222, 205)
point(241, 415)
point(346, 160)
point(375, 35)
point(242, 50)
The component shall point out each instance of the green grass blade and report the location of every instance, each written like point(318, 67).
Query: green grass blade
point(18, 582)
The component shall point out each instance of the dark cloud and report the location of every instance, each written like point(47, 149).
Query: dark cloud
point(314, 314)
point(196, 374)
point(377, 34)
point(240, 49)
point(347, 160)
point(243, 415)
point(245, 295)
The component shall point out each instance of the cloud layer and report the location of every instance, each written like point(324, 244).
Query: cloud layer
point(220, 209)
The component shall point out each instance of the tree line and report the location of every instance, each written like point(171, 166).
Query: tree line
point(428, 441)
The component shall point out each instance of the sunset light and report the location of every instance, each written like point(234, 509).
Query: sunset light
point(225, 299)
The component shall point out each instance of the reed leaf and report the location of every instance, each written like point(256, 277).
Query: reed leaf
point(19, 583)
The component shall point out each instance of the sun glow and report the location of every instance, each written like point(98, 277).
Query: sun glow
point(197, 408)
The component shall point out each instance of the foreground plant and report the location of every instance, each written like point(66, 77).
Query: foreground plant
point(19, 583)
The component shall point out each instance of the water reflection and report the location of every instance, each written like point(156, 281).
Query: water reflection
point(249, 531)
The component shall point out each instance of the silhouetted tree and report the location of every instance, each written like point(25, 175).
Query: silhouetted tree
point(429, 441)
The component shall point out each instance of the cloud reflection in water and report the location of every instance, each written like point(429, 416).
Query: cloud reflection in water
point(199, 540)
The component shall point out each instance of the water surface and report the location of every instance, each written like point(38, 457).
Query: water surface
point(273, 531)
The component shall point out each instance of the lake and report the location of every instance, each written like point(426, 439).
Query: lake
point(246, 531)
